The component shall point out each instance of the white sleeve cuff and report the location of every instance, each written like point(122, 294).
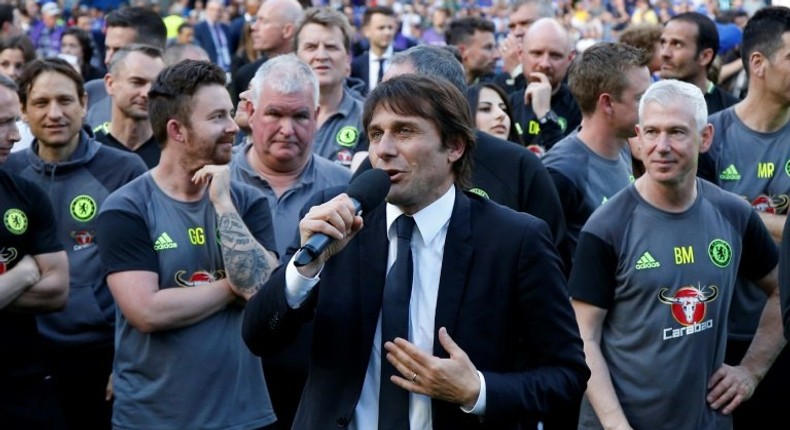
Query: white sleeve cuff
point(480, 406)
point(298, 287)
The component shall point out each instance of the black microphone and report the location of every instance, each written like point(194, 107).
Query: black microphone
point(366, 191)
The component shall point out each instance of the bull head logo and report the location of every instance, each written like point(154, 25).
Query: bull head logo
point(688, 305)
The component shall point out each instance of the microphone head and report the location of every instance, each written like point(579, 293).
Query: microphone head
point(369, 188)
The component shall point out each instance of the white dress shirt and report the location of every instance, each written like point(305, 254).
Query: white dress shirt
point(427, 246)
point(373, 66)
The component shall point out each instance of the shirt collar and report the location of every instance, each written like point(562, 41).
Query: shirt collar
point(429, 220)
point(387, 54)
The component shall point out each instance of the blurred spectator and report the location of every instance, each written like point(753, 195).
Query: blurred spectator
point(186, 34)
point(545, 110)
point(239, 26)
point(378, 26)
point(646, 37)
point(523, 14)
point(184, 51)
point(434, 34)
point(45, 33)
point(272, 34)
point(15, 53)
point(474, 38)
point(492, 112)
point(75, 41)
point(8, 21)
point(124, 27)
point(689, 43)
point(213, 35)
point(246, 52)
point(644, 12)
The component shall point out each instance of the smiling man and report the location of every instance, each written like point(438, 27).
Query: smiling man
point(667, 252)
point(323, 41)
point(190, 247)
point(441, 346)
point(77, 173)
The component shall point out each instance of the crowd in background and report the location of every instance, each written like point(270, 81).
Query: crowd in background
point(554, 137)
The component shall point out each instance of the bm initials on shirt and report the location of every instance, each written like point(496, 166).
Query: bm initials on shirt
point(684, 255)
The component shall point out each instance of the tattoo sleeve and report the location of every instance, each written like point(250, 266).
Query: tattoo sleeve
point(247, 264)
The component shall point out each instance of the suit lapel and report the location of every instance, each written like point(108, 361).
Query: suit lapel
point(373, 250)
point(455, 266)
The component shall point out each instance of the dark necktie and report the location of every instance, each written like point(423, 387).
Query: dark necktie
point(222, 50)
point(393, 400)
point(381, 70)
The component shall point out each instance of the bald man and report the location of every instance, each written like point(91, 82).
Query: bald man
point(273, 34)
point(545, 111)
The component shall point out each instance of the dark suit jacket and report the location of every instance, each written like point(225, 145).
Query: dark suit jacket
point(206, 41)
point(361, 69)
point(241, 81)
point(502, 297)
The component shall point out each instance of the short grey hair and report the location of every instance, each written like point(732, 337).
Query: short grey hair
point(286, 74)
point(120, 55)
point(669, 91)
point(434, 61)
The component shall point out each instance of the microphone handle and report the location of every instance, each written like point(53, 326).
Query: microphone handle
point(317, 243)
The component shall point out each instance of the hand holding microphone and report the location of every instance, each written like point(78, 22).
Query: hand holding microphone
point(331, 225)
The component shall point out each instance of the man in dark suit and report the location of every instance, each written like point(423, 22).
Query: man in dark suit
point(214, 36)
point(491, 334)
point(378, 26)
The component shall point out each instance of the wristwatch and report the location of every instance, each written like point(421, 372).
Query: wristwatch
point(550, 116)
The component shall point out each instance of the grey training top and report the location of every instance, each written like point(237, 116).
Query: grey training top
point(196, 377)
point(341, 135)
point(319, 173)
point(666, 280)
point(584, 180)
point(755, 166)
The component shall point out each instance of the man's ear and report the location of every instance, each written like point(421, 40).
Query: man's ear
point(757, 64)
point(176, 131)
point(604, 103)
point(707, 138)
point(108, 81)
point(288, 31)
point(455, 149)
point(705, 58)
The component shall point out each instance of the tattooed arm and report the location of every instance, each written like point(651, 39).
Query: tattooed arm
point(247, 263)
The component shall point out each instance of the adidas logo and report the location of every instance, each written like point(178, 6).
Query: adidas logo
point(730, 174)
point(646, 261)
point(164, 242)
